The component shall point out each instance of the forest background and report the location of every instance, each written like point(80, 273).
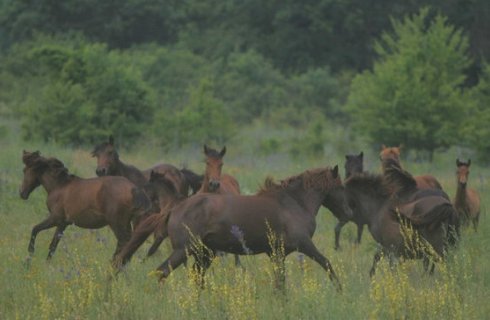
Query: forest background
point(281, 76)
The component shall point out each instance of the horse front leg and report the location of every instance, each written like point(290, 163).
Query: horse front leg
point(307, 247)
point(123, 235)
point(46, 224)
point(338, 228)
point(56, 239)
point(360, 228)
point(377, 257)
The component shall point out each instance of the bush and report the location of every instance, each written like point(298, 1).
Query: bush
point(87, 94)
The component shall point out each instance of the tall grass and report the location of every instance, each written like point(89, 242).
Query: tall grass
point(77, 283)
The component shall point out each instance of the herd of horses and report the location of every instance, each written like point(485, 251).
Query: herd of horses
point(204, 215)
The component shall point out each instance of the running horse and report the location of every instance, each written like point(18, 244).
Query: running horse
point(109, 164)
point(467, 200)
point(353, 165)
point(426, 181)
point(88, 203)
point(406, 221)
point(240, 224)
point(159, 189)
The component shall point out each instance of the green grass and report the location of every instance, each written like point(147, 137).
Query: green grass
point(76, 283)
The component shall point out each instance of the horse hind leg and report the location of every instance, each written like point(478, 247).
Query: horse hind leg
point(173, 262)
point(360, 228)
point(56, 239)
point(154, 247)
point(307, 247)
point(377, 257)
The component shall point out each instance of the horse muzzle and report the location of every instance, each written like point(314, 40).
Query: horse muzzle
point(213, 185)
point(100, 172)
point(24, 194)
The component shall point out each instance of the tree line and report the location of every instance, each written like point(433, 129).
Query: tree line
point(412, 73)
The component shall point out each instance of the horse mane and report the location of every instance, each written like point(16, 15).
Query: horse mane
point(56, 167)
point(310, 179)
point(398, 180)
point(371, 183)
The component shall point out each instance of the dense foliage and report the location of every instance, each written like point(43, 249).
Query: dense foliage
point(74, 71)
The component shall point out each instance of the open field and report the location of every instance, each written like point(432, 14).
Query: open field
point(75, 285)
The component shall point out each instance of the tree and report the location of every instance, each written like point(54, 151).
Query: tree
point(414, 93)
point(477, 129)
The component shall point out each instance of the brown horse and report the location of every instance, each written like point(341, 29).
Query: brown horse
point(162, 190)
point(467, 200)
point(87, 203)
point(214, 181)
point(406, 221)
point(109, 164)
point(353, 165)
point(423, 181)
point(240, 224)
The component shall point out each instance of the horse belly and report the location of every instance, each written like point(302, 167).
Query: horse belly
point(89, 219)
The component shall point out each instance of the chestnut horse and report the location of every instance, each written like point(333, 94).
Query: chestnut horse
point(467, 200)
point(423, 181)
point(353, 165)
point(87, 203)
point(214, 181)
point(109, 164)
point(206, 223)
point(406, 221)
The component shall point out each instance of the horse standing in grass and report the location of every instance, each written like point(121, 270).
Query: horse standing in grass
point(467, 200)
point(353, 165)
point(109, 164)
point(87, 203)
point(206, 223)
point(406, 221)
point(426, 181)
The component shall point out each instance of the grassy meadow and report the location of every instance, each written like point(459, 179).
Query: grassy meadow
point(75, 283)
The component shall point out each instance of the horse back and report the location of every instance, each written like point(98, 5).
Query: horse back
point(427, 182)
point(229, 185)
point(173, 174)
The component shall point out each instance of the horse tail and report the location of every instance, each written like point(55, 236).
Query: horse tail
point(144, 229)
point(193, 179)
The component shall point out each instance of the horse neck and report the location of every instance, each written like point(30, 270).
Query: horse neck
point(130, 172)
point(460, 199)
point(369, 206)
point(50, 182)
point(310, 200)
point(168, 201)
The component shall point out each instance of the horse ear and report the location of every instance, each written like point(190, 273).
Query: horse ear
point(223, 152)
point(469, 162)
point(111, 140)
point(206, 149)
point(383, 146)
point(346, 157)
point(361, 154)
point(401, 146)
point(458, 163)
point(335, 171)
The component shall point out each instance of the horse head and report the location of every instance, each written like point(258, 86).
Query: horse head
point(353, 164)
point(390, 153)
point(214, 165)
point(32, 172)
point(107, 158)
point(463, 171)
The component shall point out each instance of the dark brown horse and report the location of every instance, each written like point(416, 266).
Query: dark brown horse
point(87, 203)
point(426, 181)
point(206, 223)
point(406, 221)
point(213, 181)
point(109, 164)
point(353, 165)
point(467, 200)
point(161, 190)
